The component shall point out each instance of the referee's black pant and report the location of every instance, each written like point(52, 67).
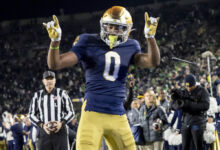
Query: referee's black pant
point(53, 141)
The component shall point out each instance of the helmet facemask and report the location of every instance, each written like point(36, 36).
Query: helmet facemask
point(115, 29)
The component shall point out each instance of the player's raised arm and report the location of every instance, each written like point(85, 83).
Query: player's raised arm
point(55, 60)
point(152, 57)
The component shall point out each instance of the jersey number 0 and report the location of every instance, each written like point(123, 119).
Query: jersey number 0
point(109, 56)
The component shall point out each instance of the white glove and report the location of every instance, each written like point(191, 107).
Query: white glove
point(150, 27)
point(53, 29)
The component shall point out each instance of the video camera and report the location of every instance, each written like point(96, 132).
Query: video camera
point(178, 97)
point(177, 94)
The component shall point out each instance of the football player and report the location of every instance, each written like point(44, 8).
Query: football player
point(106, 58)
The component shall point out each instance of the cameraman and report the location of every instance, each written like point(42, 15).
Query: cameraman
point(194, 102)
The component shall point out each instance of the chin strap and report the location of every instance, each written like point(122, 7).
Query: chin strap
point(112, 39)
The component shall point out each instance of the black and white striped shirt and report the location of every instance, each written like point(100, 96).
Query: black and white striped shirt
point(54, 106)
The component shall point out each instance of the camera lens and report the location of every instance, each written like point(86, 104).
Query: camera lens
point(156, 126)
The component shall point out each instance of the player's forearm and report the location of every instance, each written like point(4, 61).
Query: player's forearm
point(53, 58)
point(153, 52)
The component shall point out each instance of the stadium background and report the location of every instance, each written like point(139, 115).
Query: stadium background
point(186, 29)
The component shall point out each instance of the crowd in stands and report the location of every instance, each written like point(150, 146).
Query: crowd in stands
point(184, 32)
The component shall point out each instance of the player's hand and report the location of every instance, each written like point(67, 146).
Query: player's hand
point(46, 129)
point(4, 124)
point(150, 26)
point(53, 29)
point(58, 126)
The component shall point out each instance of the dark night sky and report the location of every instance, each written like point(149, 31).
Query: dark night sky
point(18, 9)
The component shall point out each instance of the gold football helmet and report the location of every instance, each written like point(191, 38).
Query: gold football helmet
point(120, 20)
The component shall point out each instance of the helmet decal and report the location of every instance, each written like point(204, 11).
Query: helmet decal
point(120, 20)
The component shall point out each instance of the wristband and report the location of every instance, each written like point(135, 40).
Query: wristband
point(54, 48)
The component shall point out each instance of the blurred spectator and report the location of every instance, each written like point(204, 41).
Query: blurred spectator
point(17, 131)
point(163, 99)
point(73, 125)
point(133, 113)
point(31, 132)
point(154, 121)
point(2, 137)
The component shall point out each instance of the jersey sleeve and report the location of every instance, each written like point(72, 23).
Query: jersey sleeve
point(79, 46)
point(137, 49)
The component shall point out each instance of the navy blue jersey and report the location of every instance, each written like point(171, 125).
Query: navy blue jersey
point(1, 132)
point(105, 71)
point(17, 131)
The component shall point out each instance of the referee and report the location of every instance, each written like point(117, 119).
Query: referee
point(51, 109)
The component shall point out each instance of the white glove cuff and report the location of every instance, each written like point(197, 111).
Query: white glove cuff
point(59, 35)
point(58, 30)
point(146, 31)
